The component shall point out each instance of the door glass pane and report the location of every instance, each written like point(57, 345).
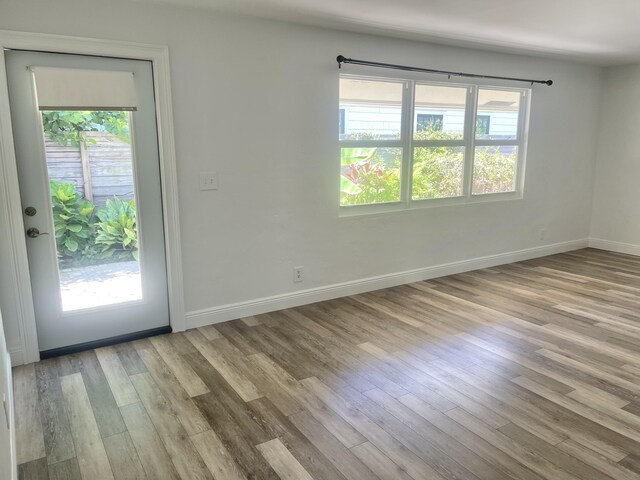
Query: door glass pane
point(497, 117)
point(370, 175)
point(90, 168)
point(437, 172)
point(439, 112)
point(370, 110)
point(494, 169)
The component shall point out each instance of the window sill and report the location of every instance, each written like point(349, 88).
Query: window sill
point(395, 207)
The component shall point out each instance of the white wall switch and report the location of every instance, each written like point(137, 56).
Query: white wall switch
point(208, 180)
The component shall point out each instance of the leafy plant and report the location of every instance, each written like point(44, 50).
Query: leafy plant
point(369, 175)
point(348, 158)
point(68, 127)
point(494, 170)
point(116, 231)
point(73, 220)
point(116, 123)
point(372, 175)
point(437, 172)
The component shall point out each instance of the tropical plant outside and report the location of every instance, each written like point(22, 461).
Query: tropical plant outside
point(73, 220)
point(88, 235)
point(68, 127)
point(494, 169)
point(437, 172)
point(116, 231)
point(372, 175)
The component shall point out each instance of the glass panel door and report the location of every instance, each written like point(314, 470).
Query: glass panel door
point(90, 188)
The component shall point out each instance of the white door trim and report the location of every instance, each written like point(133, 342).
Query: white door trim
point(10, 204)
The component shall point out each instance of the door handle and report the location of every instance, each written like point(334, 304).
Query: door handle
point(33, 232)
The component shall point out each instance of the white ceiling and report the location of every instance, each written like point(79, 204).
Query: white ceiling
point(604, 32)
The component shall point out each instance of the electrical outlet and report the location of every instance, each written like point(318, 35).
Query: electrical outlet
point(297, 274)
point(208, 180)
point(543, 234)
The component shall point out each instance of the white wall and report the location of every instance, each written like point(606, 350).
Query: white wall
point(277, 205)
point(616, 201)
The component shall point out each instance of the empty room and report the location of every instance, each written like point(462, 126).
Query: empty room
point(302, 240)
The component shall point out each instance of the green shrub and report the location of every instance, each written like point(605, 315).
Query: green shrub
point(437, 172)
point(69, 127)
point(116, 231)
point(370, 176)
point(86, 235)
point(493, 170)
point(373, 182)
point(73, 221)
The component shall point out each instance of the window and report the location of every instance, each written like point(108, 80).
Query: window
point(406, 143)
point(426, 121)
point(496, 151)
point(483, 125)
point(438, 150)
point(371, 147)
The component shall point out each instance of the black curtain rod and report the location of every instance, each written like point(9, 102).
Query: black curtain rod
point(342, 59)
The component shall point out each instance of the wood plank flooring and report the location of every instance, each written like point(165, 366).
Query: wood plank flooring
point(526, 371)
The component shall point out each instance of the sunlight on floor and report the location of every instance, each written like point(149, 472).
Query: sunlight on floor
point(99, 285)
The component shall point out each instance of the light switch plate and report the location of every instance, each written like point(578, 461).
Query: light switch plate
point(208, 180)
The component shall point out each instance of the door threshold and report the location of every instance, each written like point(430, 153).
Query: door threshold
point(104, 342)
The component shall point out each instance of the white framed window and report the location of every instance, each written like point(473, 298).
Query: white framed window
point(406, 143)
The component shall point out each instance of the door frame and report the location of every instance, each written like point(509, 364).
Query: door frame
point(11, 206)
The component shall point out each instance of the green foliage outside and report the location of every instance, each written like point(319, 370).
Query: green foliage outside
point(372, 175)
point(86, 234)
point(116, 231)
point(73, 220)
point(367, 178)
point(68, 127)
point(494, 171)
point(437, 172)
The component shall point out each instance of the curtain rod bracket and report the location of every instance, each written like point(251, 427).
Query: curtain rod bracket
point(342, 59)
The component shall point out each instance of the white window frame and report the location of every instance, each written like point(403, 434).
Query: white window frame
point(469, 143)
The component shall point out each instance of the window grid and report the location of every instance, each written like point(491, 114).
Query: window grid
point(469, 142)
point(518, 142)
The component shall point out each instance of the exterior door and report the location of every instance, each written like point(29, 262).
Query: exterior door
point(87, 150)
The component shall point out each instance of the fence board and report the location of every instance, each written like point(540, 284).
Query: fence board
point(109, 161)
point(64, 164)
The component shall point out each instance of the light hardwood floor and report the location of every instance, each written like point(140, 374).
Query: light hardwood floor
point(526, 371)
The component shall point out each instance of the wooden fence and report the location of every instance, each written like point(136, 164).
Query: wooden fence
point(99, 171)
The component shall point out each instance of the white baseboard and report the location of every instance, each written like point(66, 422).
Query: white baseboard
point(16, 354)
point(619, 247)
point(232, 311)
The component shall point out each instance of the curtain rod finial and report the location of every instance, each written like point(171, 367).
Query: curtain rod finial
point(549, 82)
point(340, 58)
